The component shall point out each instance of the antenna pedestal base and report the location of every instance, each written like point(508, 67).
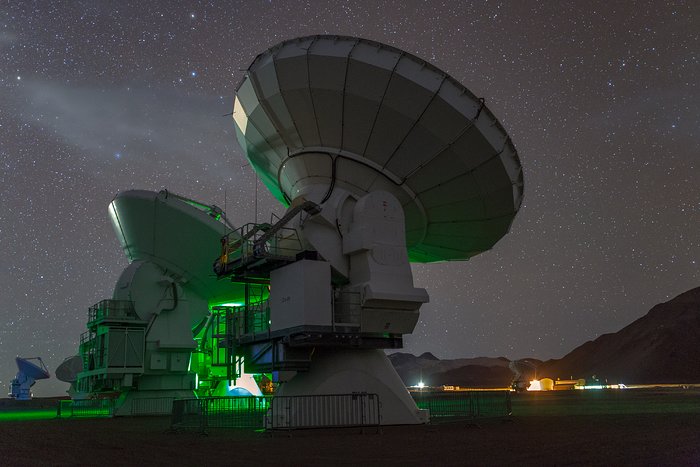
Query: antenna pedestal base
point(362, 371)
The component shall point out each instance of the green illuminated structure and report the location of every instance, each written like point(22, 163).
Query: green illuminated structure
point(160, 335)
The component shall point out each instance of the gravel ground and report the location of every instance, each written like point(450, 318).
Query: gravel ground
point(649, 437)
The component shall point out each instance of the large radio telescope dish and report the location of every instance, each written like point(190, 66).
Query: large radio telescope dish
point(354, 113)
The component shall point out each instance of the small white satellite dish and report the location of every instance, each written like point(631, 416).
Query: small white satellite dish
point(69, 369)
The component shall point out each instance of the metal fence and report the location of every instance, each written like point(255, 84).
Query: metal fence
point(152, 406)
point(220, 412)
point(464, 404)
point(187, 413)
point(85, 408)
point(324, 411)
point(279, 412)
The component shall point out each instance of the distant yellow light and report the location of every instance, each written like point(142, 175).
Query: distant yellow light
point(534, 386)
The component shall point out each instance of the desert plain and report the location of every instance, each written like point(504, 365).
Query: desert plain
point(641, 426)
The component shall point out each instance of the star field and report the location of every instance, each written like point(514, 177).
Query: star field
point(600, 98)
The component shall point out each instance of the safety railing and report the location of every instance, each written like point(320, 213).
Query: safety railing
point(111, 309)
point(187, 413)
point(87, 408)
point(220, 412)
point(152, 406)
point(278, 412)
point(92, 357)
point(257, 241)
point(324, 411)
point(251, 319)
point(464, 404)
point(232, 323)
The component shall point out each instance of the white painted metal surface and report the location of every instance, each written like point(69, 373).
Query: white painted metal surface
point(162, 229)
point(337, 371)
point(344, 112)
point(299, 295)
point(69, 369)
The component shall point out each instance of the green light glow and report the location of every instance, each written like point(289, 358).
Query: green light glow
point(34, 414)
point(83, 413)
point(231, 304)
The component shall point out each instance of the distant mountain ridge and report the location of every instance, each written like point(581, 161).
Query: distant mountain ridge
point(661, 347)
point(468, 372)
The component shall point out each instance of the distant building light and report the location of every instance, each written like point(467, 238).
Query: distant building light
point(421, 384)
point(534, 386)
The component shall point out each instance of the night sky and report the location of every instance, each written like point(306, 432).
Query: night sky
point(601, 99)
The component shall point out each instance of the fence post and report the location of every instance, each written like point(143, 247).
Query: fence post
point(362, 410)
point(203, 409)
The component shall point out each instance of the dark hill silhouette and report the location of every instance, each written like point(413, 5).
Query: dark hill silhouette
point(428, 356)
point(661, 347)
point(484, 372)
point(474, 376)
